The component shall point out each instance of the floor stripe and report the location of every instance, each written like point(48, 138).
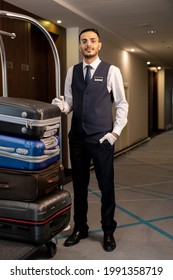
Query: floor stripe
point(164, 233)
point(147, 223)
point(141, 221)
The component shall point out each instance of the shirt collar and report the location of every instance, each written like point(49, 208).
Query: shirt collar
point(94, 64)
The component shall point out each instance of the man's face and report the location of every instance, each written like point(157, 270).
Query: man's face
point(89, 45)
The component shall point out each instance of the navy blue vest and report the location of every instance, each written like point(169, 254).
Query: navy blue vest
point(92, 105)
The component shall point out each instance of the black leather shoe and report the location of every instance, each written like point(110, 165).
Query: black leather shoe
point(74, 238)
point(109, 243)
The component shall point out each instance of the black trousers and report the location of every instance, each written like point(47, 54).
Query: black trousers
point(81, 153)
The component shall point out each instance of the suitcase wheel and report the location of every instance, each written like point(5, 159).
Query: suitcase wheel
point(51, 249)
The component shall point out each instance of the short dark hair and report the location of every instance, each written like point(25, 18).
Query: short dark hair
point(90, 30)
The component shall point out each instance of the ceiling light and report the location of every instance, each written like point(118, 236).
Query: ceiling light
point(148, 62)
point(132, 50)
point(159, 68)
point(59, 21)
point(152, 32)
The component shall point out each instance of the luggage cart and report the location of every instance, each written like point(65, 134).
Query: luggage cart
point(11, 249)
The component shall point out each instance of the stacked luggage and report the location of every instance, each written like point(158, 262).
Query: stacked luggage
point(33, 205)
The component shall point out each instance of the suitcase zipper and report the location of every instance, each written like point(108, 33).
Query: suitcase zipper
point(38, 222)
point(29, 123)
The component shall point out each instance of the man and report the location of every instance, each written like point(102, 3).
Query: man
point(90, 95)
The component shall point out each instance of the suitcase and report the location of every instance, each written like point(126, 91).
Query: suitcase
point(35, 222)
point(28, 118)
point(29, 185)
point(28, 154)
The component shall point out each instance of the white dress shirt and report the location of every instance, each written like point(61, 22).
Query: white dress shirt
point(114, 84)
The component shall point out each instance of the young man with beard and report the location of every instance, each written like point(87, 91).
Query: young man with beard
point(93, 133)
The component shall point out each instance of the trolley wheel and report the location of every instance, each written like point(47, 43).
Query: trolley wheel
point(51, 249)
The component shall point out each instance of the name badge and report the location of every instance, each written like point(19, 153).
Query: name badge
point(98, 79)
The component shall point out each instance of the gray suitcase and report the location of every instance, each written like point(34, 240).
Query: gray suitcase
point(38, 221)
point(28, 118)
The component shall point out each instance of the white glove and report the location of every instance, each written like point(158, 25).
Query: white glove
point(59, 102)
point(109, 137)
point(62, 104)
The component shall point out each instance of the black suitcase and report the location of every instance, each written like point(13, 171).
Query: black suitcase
point(35, 222)
point(28, 118)
point(29, 185)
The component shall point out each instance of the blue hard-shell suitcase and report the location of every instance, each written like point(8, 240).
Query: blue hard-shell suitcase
point(28, 154)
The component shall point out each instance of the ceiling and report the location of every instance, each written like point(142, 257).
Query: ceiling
point(145, 25)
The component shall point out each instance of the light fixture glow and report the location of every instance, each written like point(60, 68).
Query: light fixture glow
point(132, 50)
point(152, 32)
point(59, 21)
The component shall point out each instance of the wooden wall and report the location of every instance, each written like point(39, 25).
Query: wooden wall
point(30, 62)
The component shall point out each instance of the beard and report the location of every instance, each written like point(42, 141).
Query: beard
point(89, 55)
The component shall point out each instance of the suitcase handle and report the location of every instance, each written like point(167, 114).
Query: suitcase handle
point(51, 127)
point(55, 179)
point(48, 152)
